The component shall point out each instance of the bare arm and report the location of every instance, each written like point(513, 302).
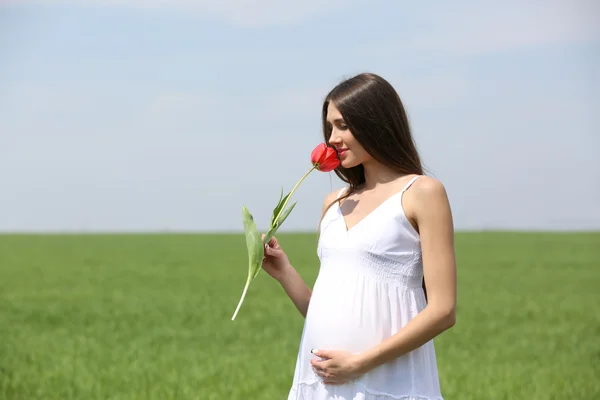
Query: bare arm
point(296, 289)
point(432, 213)
point(292, 282)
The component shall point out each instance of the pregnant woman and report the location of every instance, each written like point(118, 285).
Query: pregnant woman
point(387, 280)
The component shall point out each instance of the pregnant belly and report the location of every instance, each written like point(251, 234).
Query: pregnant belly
point(342, 322)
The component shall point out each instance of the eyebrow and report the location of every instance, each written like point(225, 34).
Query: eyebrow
point(337, 120)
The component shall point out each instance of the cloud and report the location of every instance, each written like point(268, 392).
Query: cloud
point(245, 13)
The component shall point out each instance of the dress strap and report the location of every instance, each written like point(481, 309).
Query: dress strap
point(341, 191)
point(410, 183)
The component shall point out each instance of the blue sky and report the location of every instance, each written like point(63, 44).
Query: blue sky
point(141, 116)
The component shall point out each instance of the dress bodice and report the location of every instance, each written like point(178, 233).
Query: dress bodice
point(383, 244)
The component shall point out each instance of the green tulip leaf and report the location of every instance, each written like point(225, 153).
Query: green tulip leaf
point(285, 214)
point(278, 223)
point(277, 209)
point(255, 248)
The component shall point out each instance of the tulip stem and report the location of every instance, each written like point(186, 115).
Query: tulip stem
point(292, 192)
point(242, 299)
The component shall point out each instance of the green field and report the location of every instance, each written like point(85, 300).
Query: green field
point(149, 317)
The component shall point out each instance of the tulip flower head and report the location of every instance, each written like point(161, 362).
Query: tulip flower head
point(324, 159)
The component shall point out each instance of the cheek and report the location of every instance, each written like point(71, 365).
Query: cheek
point(357, 149)
point(356, 156)
point(350, 141)
point(362, 156)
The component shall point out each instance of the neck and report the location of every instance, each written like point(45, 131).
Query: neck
point(377, 174)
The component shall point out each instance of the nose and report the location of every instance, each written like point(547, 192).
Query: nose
point(334, 139)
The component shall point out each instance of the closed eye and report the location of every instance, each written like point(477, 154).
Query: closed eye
point(339, 123)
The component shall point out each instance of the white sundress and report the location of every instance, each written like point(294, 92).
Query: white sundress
point(368, 288)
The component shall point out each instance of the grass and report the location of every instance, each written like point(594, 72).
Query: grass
point(149, 317)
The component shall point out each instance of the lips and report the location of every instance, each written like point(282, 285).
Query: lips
point(341, 151)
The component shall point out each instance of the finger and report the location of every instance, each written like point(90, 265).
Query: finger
point(333, 382)
point(315, 352)
point(324, 354)
point(319, 364)
point(319, 369)
point(330, 379)
point(274, 252)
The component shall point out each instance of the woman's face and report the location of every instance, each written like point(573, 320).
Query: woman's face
point(351, 152)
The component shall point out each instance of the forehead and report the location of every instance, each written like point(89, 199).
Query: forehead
point(332, 112)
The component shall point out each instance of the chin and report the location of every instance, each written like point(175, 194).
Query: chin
point(348, 164)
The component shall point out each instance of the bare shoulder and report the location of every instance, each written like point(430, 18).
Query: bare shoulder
point(428, 188)
point(426, 196)
point(330, 198)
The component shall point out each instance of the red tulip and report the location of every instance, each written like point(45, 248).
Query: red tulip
point(324, 158)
